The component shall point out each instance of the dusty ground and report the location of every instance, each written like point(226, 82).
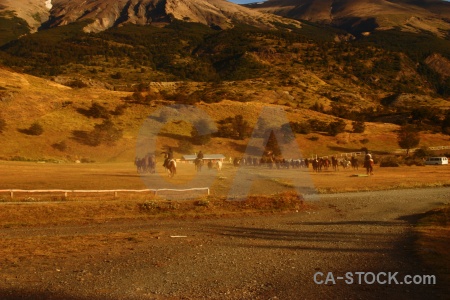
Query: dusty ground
point(247, 257)
point(105, 248)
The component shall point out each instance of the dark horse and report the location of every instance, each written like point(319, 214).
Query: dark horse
point(171, 167)
point(146, 164)
point(198, 164)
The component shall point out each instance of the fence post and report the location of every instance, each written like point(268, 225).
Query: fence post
point(11, 193)
point(115, 194)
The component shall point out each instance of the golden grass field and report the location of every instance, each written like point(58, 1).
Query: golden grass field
point(109, 176)
point(83, 207)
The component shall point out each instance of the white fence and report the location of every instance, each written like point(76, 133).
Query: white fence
point(115, 192)
point(429, 148)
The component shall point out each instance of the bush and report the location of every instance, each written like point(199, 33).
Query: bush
point(77, 84)
point(120, 110)
point(2, 125)
point(358, 126)
point(334, 128)
point(422, 153)
point(364, 141)
point(414, 161)
point(61, 146)
point(98, 111)
point(34, 129)
point(390, 161)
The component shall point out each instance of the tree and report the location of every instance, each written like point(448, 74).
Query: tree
point(446, 124)
point(358, 126)
point(408, 137)
point(185, 146)
point(241, 127)
point(201, 132)
point(272, 144)
point(235, 128)
point(334, 128)
point(105, 132)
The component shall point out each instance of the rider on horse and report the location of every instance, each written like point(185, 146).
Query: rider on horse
point(199, 157)
point(168, 156)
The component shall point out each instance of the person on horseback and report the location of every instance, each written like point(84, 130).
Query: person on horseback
point(368, 163)
point(200, 155)
point(169, 156)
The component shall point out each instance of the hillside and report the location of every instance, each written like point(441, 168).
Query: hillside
point(104, 14)
point(91, 91)
point(358, 16)
point(62, 113)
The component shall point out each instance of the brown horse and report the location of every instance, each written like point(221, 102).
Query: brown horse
point(198, 164)
point(171, 167)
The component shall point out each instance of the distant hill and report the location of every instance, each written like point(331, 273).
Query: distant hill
point(359, 16)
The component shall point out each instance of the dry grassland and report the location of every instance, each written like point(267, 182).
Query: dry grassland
point(87, 208)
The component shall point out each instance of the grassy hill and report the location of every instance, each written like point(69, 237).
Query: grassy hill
point(315, 73)
point(62, 111)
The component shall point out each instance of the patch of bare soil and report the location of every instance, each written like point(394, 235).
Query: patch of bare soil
point(273, 256)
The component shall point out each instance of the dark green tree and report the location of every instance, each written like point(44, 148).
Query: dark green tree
point(272, 144)
point(408, 137)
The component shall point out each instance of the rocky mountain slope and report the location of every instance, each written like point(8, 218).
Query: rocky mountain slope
point(367, 15)
point(103, 14)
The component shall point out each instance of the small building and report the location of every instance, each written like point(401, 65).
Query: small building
point(206, 157)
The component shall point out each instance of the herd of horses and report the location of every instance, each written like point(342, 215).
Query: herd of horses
point(318, 164)
point(147, 164)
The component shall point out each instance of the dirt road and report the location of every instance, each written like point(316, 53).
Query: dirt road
point(253, 257)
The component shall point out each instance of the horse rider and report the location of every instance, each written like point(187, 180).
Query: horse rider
point(169, 156)
point(368, 163)
point(199, 156)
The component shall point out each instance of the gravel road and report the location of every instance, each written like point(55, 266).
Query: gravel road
point(252, 257)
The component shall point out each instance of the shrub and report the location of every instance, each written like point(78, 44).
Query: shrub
point(120, 110)
point(390, 161)
point(364, 141)
point(2, 125)
point(358, 126)
point(98, 111)
point(313, 138)
point(334, 128)
point(117, 75)
point(61, 146)
point(77, 84)
point(34, 129)
point(414, 161)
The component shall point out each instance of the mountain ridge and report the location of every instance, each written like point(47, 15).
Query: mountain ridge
point(359, 16)
point(104, 14)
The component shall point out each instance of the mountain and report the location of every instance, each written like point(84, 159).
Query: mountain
point(103, 14)
point(34, 12)
point(359, 16)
